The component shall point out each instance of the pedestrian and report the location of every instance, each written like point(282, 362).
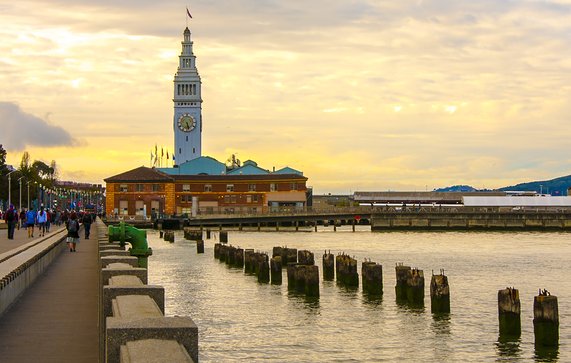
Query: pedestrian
point(48, 220)
point(22, 218)
point(86, 224)
point(41, 219)
point(72, 232)
point(11, 218)
point(30, 222)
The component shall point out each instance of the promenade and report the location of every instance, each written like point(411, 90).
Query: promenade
point(56, 320)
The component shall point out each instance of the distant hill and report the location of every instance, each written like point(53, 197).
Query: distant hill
point(557, 186)
point(457, 188)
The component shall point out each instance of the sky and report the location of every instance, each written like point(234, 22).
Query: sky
point(359, 95)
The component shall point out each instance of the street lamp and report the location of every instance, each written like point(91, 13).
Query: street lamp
point(20, 182)
point(28, 183)
point(10, 187)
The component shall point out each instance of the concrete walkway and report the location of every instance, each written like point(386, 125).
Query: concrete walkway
point(21, 237)
point(56, 320)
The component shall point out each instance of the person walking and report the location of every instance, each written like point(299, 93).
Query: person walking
point(31, 222)
point(72, 231)
point(22, 218)
point(41, 219)
point(11, 218)
point(86, 220)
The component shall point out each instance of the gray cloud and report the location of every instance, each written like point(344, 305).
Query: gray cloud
point(21, 129)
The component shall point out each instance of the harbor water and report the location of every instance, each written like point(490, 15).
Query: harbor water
point(241, 320)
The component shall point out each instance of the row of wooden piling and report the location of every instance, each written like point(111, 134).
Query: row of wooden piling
point(545, 316)
point(303, 277)
point(167, 236)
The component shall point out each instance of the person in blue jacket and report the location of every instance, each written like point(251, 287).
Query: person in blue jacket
point(30, 221)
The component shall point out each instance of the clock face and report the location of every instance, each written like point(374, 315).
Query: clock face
point(186, 123)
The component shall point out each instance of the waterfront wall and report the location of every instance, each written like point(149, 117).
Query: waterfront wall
point(472, 221)
point(19, 268)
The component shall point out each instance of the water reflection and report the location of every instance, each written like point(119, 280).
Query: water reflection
point(546, 354)
point(508, 347)
point(441, 324)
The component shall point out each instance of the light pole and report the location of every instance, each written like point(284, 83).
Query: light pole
point(10, 188)
point(28, 183)
point(20, 182)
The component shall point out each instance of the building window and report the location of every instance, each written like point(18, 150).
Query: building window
point(226, 199)
point(207, 187)
point(139, 187)
point(186, 138)
point(248, 199)
point(229, 187)
point(123, 188)
point(233, 199)
point(156, 187)
point(255, 198)
point(186, 187)
point(293, 186)
point(273, 187)
point(179, 150)
point(251, 187)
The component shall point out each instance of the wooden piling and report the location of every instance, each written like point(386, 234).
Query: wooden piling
point(248, 262)
point(224, 236)
point(264, 270)
point(299, 277)
point(312, 280)
point(217, 250)
point(291, 267)
point(372, 275)
point(276, 270)
point(401, 286)
point(546, 319)
point(509, 312)
point(305, 257)
point(161, 234)
point(346, 267)
point(200, 246)
point(328, 266)
point(239, 258)
point(208, 233)
point(415, 287)
point(439, 294)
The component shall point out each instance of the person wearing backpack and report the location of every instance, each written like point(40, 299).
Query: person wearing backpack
point(86, 220)
point(72, 231)
point(41, 219)
point(11, 217)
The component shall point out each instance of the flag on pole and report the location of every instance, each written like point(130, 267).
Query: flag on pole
point(188, 13)
point(167, 155)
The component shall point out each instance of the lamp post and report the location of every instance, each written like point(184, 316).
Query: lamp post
point(20, 183)
point(10, 187)
point(28, 183)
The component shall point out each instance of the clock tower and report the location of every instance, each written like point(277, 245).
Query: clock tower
point(187, 105)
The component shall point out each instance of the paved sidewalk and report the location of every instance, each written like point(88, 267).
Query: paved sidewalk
point(21, 237)
point(56, 320)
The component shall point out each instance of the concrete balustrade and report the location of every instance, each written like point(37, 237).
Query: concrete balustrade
point(133, 326)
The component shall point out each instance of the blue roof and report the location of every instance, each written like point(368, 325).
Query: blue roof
point(248, 169)
point(287, 170)
point(204, 165)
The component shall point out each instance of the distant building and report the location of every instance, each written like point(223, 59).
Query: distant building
point(201, 184)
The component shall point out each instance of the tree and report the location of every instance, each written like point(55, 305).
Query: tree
point(3, 173)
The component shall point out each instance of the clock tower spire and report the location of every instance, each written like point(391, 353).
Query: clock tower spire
point(187, 100)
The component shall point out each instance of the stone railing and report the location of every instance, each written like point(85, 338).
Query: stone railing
point(133, 325)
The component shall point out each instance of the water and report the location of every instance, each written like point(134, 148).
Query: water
point(240, 320)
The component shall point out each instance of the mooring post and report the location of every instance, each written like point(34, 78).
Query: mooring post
point(296, 226)
point(328, 266)
point(277, 226)
point(401, 276)
point(439, 294)
point(223, 236)
point(208, 232)
point(546, 319)
point(353, 224)
point(161, 233)
point(509, 312)
point(372, 273)
point(200, 246)
point(240, 226)
point(415, 286)
point(291, 268)
point(259, 228)
point(276, 270)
